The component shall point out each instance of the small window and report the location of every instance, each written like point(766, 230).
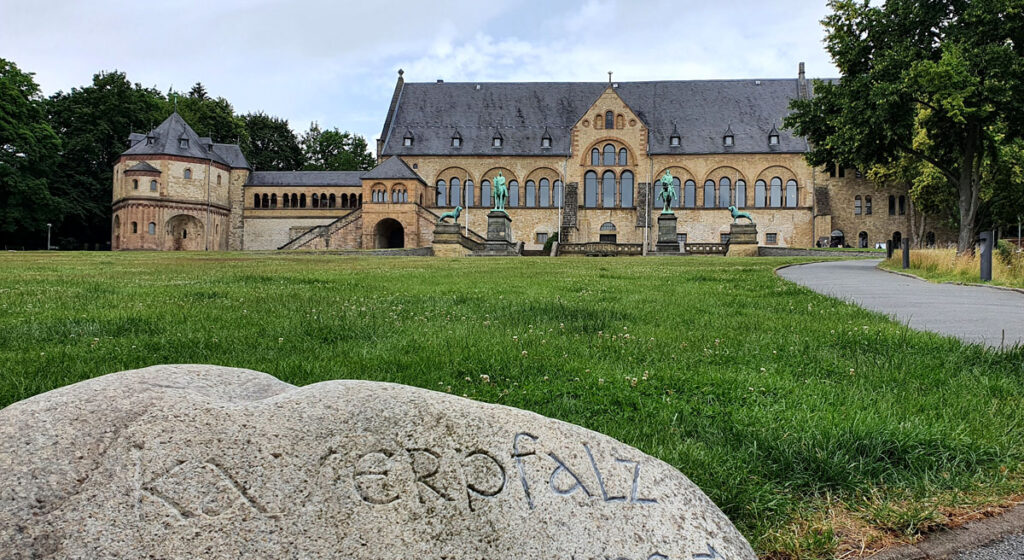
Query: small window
point(152, 228)
point(608, 238)
point(773, 139)
point(152, 185)
point(135, 184)
point(595, 157)
point(542, 238)
point(135, 227)
point(183, 143)
point(771, 238)
point(903, 205)
point(607, 226)
point(609, 119)
point(456, 142)
point(867, 205)
point(727, 140)
point(623, 157)
point(842, 172)
point(218, 179)
point(673, 141)
point(150, 140)
point(892, 205)
point(545, 142)
point(188, 173)
point(407, 140)
point(496, 142)
point(857, 202)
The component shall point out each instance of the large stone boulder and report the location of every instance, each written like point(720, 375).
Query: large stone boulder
point(211, 462)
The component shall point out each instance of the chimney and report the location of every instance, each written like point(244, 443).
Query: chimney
point(801, 81)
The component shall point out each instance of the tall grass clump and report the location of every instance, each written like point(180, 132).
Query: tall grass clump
point(944, 265)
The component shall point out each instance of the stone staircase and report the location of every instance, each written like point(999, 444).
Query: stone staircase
point(322, 231)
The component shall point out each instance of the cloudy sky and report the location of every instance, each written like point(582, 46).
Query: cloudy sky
point(335, 62)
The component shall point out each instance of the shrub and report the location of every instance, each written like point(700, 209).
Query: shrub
point(551, 240)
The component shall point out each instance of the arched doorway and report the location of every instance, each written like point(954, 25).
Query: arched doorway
point(838, 239)
point(897, 239)
point(390, 234)
point(186, 233)
point(862, 240)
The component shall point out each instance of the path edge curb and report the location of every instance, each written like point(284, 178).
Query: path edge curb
point(947, 543)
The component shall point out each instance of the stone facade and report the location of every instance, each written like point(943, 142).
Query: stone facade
point(610, 176)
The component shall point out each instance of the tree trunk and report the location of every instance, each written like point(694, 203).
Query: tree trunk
point(969, 188)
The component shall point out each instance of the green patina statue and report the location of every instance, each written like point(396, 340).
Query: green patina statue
point(736, 214)
point(454, 215)
point(667, 192)
point(499, 193)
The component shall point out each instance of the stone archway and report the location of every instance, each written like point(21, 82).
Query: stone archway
point(390, 234)
point(185, 233)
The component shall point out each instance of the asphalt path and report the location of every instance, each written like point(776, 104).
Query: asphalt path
point(974, 314)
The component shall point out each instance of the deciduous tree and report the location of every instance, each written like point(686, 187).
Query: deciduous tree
point(270, 144)
point(940, 82)
point(29, 150)
point(333, 150)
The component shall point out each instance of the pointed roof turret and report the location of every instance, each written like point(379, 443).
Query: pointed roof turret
point(174, 137)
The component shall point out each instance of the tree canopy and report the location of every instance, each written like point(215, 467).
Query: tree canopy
point(938, 84)
point(28, 158)
point(333, 150)
point(270, 144)
point(93, 123)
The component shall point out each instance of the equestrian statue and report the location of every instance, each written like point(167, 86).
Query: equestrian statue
point(667, 192)
point(500, 193)
point(736, 214)
point(454, 215)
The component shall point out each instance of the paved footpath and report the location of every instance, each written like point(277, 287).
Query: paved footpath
point(970, 313)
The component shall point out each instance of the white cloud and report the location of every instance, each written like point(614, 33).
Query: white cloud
point(335, 62)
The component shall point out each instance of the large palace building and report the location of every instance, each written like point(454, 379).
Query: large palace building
point(581, 160)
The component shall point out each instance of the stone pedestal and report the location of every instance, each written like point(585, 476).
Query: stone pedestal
point(449, 241)
point(742, 240)
point(499, 235)
point(668, 240)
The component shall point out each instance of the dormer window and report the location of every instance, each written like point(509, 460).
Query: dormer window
point(183, 143)
point(773, 139)
point(150, 140)
point(496, 142)
point(727, 140)
point(674, 140)
point(456, 142)
point(407, 140)
point(545, 142)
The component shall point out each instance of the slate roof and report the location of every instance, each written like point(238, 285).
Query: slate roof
point(520, 112)
point(143, 166)
point(166, 139)
point(392, 168)
point(306, 178)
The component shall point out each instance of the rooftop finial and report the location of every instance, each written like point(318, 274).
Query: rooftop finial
point(609, 77)
point(400, 72)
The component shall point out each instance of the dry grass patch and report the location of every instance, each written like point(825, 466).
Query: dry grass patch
point(944, 265)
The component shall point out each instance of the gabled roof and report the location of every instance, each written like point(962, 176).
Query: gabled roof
point(166, 138)
point(143, 166)
point(305, 178)
point(700, 110)
point(393, 168)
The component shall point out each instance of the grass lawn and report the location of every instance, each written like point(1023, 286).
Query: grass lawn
point(943, 265)
point(818, 427)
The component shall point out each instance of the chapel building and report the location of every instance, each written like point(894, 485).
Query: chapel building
point(581, 160)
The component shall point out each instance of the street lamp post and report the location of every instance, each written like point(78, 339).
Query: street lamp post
point(48, 227)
